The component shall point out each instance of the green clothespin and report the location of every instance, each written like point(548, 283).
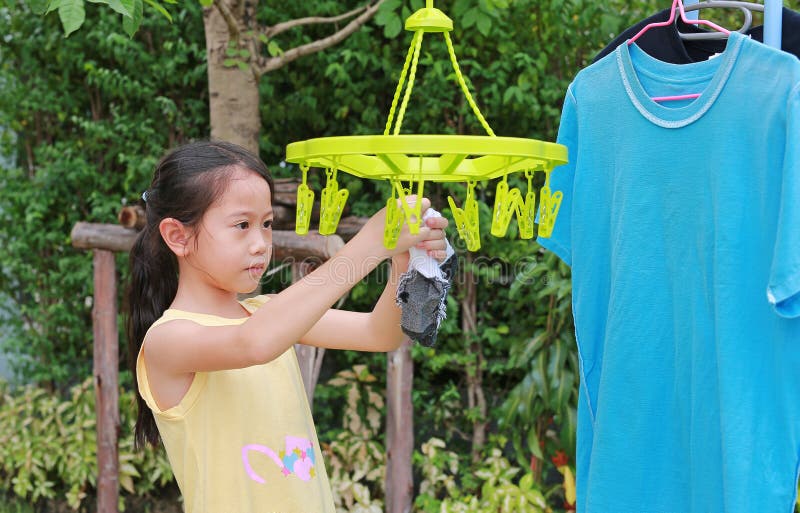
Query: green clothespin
point(506, 203)
point(305, 204)
point(549, 204)
point(526, 216)
point(413, 213)
point(467, 220)
point(395, 215)
point(394, 218)
point(332, 204)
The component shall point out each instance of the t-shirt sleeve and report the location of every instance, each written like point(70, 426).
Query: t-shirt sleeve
point(561, 179)
point(783, 289)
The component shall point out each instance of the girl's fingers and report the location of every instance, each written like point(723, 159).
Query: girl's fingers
point(434, 234)
point(437, 222)
point(432, 244)
point(438, 254)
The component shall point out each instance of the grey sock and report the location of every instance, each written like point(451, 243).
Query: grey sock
point(424, 302)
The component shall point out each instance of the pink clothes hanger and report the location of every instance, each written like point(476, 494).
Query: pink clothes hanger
point(679, 5)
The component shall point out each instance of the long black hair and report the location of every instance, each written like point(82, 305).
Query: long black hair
point(186, 182)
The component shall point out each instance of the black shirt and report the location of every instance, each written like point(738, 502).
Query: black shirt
point(665, 43)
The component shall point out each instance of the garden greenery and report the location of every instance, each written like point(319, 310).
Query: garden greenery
point(82, 127)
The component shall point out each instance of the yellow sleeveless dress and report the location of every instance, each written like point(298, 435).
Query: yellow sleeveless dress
point(242, 440)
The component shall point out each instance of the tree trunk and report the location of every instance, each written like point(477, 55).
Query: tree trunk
point(399, 430)
point(233, 92)
point(475, 396)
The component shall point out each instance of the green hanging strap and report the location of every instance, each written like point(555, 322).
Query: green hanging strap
point(464, 87)
point(413, 58)
point(332, 203)
point(526, 216)
point(467, 220)
point(506, 203)
point(305, 204)
point(549, 203)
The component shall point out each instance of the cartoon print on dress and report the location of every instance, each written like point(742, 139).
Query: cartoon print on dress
point(297, 458)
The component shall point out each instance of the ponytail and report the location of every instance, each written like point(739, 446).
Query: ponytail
point(153, 284)
point(185, 184)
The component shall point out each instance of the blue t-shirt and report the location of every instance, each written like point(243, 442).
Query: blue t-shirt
point(681, 222)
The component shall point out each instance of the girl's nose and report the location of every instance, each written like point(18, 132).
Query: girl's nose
point(259, 245)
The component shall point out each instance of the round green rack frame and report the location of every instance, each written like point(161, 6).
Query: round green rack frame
point(408, 161)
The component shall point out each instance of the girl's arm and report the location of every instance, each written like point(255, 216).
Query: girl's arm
point(378, 330)
point(181, 347)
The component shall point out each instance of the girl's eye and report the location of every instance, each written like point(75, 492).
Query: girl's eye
point(243, 225)
point(268, 224)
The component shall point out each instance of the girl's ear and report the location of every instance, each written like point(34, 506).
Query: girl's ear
point(175, 235)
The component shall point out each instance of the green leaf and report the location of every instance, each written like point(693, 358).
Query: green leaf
point(229, 63)
point(484, 24)
point(39, 7)
point(242, 65)
point(470, 17)
point(273, 49)
point(206, 3)
point(526, 483)
point(116, 5)
point(533, 444)
point(131, 24)
point(160, 8)
point(72, 15)
point(386, 10)
point(52, 6)
point(126, 482)
point(393, 27)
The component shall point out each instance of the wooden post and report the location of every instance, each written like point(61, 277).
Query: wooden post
point(106, 386)
point(399, 430)
point(308, 357)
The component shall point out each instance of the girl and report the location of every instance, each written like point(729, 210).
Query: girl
point(218, 379)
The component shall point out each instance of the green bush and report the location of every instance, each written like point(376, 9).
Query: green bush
point(80, 131)
point(356, 457)
point(496, 488)
point(48, 447)
point(85, 122)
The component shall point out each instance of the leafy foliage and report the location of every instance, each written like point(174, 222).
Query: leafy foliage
point(84, 126)
point(85, 122)
point(498, 491)
point(356, 457)
point(48, 447)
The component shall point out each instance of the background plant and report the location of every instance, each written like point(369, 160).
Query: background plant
point(82, 127)
point(48, 448)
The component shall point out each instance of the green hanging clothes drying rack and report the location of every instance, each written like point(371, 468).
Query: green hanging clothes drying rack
point(408, 161)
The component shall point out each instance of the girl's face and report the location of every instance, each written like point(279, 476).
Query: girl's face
point(233, 243)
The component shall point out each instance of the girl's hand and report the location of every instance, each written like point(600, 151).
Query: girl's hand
point(372, 233)
point(435, 243)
